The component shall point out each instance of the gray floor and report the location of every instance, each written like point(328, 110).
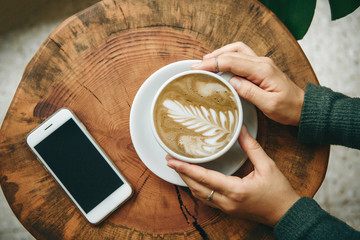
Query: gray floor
point(333, 48)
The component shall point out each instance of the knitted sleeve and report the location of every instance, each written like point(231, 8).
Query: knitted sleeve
point(305, 220)
point(329, 118)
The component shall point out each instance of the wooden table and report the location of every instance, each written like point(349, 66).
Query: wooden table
point(94, 63)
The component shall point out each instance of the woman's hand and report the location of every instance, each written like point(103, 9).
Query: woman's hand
point(264, 195)
point(259, 81)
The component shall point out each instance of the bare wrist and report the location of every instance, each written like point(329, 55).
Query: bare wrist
point(283, 209)
point(300, 103)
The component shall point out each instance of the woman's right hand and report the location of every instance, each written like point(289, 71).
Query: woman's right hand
point(264, 195)
point(259, 81)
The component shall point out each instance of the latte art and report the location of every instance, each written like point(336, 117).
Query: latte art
point(196, 115)
point(213, 128)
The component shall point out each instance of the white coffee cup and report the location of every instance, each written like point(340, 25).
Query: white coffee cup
point(222, 77)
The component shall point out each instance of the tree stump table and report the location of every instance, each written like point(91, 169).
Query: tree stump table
point(94, 63)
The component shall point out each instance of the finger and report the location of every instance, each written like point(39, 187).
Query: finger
point(242, 65)
point(249, 91)
point(208, 178)
point(232, 47)
point(201, 192)
point(254, 151)
point(239, 64)
point(206, 65)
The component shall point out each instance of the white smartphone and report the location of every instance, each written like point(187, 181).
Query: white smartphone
point(66, 149)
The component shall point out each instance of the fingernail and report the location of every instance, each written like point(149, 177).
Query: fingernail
point(207, 56)
point(170, 165)
point(196, 65)
point(235, 82)
point(244, 132)
point(168, 157)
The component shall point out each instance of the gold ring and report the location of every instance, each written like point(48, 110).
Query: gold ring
point(209, 198)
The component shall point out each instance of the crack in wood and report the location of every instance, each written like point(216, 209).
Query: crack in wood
point(126, 92)
point(60, 48)
point(92, 93)
point(142, 174)
point(181, 204)
point(185, 211)
point(142, 184)
point(122, 12)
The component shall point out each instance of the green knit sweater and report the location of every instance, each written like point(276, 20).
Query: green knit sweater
point(330, 118)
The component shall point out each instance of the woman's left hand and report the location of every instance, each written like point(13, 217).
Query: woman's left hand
point(264, 195)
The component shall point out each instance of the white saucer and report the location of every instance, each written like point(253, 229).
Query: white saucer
point(146, 146)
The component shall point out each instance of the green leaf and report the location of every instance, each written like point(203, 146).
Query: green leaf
point(341, 8)
point(295, 14)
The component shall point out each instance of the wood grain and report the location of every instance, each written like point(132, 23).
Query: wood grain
point(94, 63)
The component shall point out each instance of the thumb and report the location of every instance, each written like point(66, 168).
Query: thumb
point(254, 151)
point(249, 91)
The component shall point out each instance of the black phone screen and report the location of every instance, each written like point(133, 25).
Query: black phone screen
point(78, 165)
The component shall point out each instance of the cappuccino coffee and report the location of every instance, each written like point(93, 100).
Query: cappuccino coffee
point(196, 115)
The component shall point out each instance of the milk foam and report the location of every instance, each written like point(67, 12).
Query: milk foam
point(196, 115)
point(213, 129)
point(210, 88)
